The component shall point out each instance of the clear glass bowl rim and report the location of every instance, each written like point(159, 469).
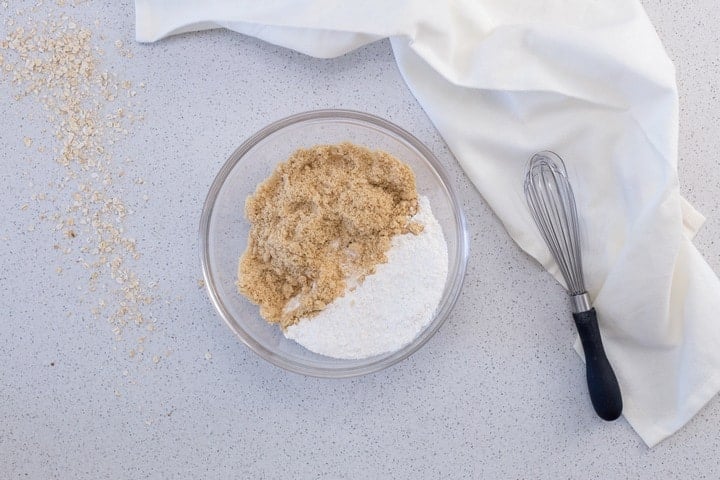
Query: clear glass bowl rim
point(385, 361)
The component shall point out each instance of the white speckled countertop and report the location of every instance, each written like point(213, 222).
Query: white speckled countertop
point(497, 393)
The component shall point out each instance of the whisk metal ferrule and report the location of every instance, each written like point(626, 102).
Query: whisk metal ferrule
point(580, 302)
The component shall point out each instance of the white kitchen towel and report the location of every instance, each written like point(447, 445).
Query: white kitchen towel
point(502, 79)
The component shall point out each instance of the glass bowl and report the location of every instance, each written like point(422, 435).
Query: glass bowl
point(224, 229)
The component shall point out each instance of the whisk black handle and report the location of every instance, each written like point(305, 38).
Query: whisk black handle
point(602, 383)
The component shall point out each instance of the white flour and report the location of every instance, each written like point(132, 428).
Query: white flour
point(390, 308)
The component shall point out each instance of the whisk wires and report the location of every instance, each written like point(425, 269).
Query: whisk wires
point(552, 205)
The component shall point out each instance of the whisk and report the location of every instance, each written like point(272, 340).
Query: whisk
point(552, 205)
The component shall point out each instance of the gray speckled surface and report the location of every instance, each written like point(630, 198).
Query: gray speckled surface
point(498, 392)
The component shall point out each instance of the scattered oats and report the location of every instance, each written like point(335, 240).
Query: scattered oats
point(132, 353)
point(56, 62)
point(117, 393)
point(58, 270)
point(208, 355)
point(119, 43)
point(24, 207)
point(156, 359)
point(201, 283)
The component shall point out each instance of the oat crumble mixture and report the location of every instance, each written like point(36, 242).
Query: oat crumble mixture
point(320, 223)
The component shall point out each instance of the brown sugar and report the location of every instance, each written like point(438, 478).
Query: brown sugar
point(323, 219)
